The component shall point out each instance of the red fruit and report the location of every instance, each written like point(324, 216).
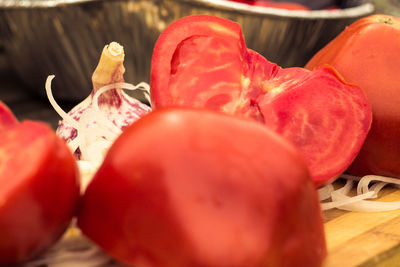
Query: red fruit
point(202, 61)
point(7, 118)
point(367, 53)
point(39, 190)
point(196, 188)
point(282, 5)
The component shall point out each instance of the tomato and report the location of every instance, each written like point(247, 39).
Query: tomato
point(185, 187)
point(7, 118)
point(283, 5)
point(367, 53)
point(202, 61)
point(39, 190)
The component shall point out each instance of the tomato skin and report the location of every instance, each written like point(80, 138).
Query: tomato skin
point(7, 118)
point(366, 54)
point(39, 190)
point(187, 187)
point(214, 70)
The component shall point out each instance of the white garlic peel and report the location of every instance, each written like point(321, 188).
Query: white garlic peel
point(342, 199)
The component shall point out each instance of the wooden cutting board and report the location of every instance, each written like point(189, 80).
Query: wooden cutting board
point(363, 239)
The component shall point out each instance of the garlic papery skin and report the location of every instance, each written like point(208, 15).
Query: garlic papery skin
point(364, 199)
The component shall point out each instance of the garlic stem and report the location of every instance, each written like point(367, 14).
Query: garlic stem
point(110, 68)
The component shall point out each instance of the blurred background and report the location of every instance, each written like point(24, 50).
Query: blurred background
point(66, 37)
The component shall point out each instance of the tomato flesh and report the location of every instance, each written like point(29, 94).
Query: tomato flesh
point(221, 75)
point(196, 64)
point(39, 190)
point(187, 187)
point(365, 54)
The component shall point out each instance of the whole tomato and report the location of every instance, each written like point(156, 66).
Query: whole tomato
point(196, 188)
point(203, 62)
point(39, 190)
point(367, 53)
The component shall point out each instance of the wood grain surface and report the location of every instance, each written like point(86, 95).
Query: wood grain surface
point(364, 239)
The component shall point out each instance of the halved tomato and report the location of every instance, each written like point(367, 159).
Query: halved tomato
point(202, 61)
point(185, 187)
point(39, 190)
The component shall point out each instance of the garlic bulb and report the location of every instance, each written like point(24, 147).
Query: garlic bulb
point(92, 126)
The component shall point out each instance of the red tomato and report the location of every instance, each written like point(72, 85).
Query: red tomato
point(7, 118)
point(367, 53)
point(197, 188)
point(282, 5)
point(39, 190)
point(202, 61)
